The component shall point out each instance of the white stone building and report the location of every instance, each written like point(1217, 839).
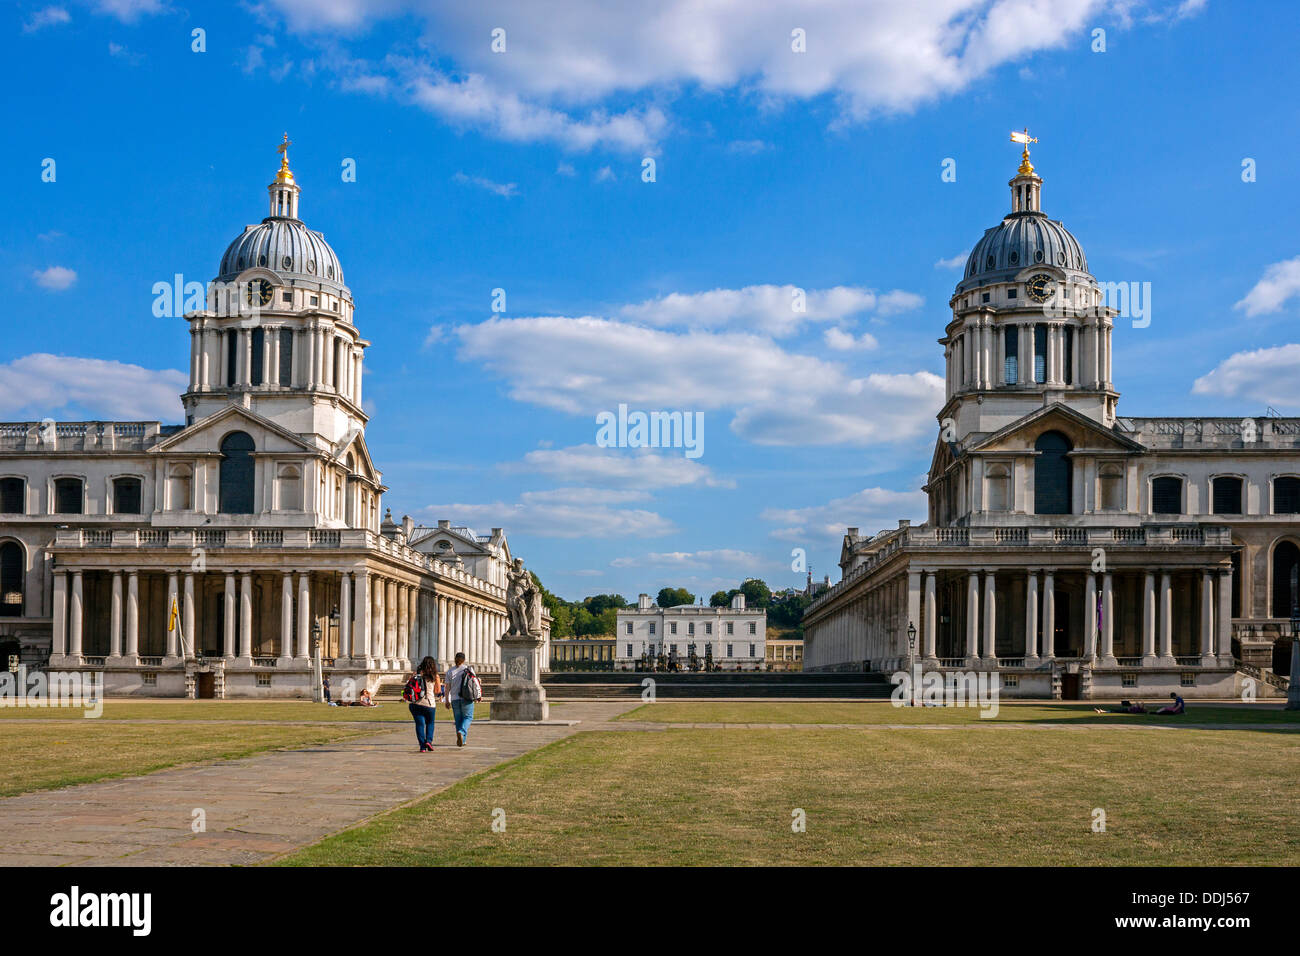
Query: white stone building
point(258, 519)
point(735, 635)
point(1076, 551)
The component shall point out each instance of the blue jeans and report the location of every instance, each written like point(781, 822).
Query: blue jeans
point(423, 723)
point(463, 712)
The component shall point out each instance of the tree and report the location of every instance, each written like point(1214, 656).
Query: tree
point(757, 593)
point(672, 597)
point(719, 599)
point(597, 604)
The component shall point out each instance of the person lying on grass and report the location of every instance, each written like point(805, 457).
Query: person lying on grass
point(1125, 707)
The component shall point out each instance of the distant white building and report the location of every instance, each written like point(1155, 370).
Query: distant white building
point(735, 636)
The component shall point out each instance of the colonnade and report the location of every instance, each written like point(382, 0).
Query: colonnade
point(976, 355)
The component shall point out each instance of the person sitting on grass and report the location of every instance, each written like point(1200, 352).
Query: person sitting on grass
point(1177, 707)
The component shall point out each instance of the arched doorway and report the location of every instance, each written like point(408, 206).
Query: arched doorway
point(237, 471)
point(1052, 468)
point(12, 567)
point(1286, 587)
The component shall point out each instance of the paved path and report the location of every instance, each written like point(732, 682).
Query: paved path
point(261, 806)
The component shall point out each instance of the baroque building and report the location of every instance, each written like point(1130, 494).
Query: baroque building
point(1076, 551)
point(258, 521)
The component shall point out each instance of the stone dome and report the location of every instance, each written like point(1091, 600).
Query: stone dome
point(285, 246)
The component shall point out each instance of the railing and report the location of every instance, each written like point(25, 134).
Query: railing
point(96, 539)
point(1071, 535)
point(265, 538)
point(952, 535)
point(1195, 535)
point(210, 539)
point(952, 662)
point(151, 662)
point(264, 662)
point(1011, 535)
point(324, 539)
point(1187, 661)
point(1128, 661)
point(151, 538)
point(1129, 535)
point(1011, 662)
point(94, 661)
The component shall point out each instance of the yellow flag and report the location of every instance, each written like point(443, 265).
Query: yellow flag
point(171, 622)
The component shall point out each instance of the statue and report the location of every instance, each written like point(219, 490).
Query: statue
point(524, 602)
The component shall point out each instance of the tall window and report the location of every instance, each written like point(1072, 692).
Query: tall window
point(232, 357)
point(13, 494)
point(1286, 587)
point(1286, 496)
point(1052, 469)
point(68, 496)
point(236, 487)
point(1011, 351)
point(11, 580)
point(1167, 495)
point(1040, 353)
point(259, 356)
point(1227, 496)
point(286, 357)
point(1069, 356)
point(126, 496)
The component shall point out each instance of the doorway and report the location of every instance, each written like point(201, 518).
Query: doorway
point(1069, 687)
point(207, 686)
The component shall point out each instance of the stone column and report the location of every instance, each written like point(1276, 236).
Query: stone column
point(246, 619)
point(438, 608)
point(1207, 618)
point(377, 621)
point(286, 618)
point(74, 619)
point(1149, 620)
point(990, 617)
point(1223, 640)
point(415, 643)
point(1049, 616)
point(345, 616)
point(228, 638)
point(972, 617)
point(361, 644)
point(173, 600)
point(59, 648)
point(1031, 618)
point(390, 624)
point(115, 619)
point(1090, 616)
point(403, 626)
point(1166, 620)
point(132, 650)
point(931, 609)
point(188, 616)
point(1107, 621)
point(304, 616)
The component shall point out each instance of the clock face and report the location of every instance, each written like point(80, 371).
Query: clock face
point(1041, 287)
point(261, 290)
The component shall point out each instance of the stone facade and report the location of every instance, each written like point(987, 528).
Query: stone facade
point(736, 635)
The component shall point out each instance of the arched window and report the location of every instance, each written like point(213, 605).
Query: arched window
point(13, 496)
point(1286, 588)
point(12, 567)
point(1227, 496)
point(1112, 487)
point(1167, 495)
point(126, 496)
point(1052, 474)
point(289, 480)
point(68, 496)
point(1286, 495)
point(237, 470)
point(180, 488)
point(998, 480)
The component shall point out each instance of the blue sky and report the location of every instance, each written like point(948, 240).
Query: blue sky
point(522, 170)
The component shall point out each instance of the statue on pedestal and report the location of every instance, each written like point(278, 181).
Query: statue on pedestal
point(524, 602)
point(520, 695)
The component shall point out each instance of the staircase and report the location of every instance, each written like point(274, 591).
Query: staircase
point(607, 685)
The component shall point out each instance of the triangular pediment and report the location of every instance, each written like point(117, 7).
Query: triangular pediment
point(205, 436)
point(1083, 432)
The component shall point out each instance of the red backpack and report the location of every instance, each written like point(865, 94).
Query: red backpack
point(414, 689)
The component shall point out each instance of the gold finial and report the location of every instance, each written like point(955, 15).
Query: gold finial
point(1026, 167)
point(284, 175)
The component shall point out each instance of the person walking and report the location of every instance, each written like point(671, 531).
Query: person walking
point(421, 694)
point(461, 682)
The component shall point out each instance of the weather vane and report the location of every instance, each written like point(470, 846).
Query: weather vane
point(1025, 139)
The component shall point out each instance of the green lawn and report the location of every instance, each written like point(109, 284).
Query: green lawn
point(884, 712)
point(872, 796)
point(288, 711)
point(47, 756)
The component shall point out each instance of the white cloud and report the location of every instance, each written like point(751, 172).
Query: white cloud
point(1267, 376)
point(1279, 283)
point(506, 190)
point(870, 510)
point(128, 11)
point(773, 309)
point(42, 385)
point(635, 467)
point(584, 365)
point(693, 560)
point(562, 513)
point(841, 341)
point(604, 175)
point(956, 262)
point(55, 278)
point(748, 147)
point(46, 17)
point(565, 169)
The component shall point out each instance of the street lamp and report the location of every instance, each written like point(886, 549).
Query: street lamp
point(911, 658)
point(317, 691)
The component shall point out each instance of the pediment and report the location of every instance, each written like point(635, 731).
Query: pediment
point(204, 437)
point(1082, 431)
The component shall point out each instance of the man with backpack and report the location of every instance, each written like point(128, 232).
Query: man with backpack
point(463, 690)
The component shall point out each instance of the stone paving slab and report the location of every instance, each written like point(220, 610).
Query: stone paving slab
point(266, 805)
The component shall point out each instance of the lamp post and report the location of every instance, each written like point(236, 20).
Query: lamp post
point(911, 657)
point(317, 691)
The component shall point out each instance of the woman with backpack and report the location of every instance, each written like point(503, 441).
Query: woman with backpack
point(421, 694)
point(463, 689)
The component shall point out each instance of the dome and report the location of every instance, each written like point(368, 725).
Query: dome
point(285, 246)
point(1019, 241)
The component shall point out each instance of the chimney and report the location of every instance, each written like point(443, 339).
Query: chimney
point(444, 523)
point(408, 526)
point(738, 602)
point(853, 532)
point(643, 602)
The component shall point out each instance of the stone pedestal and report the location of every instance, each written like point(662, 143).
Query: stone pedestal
point(520, 696)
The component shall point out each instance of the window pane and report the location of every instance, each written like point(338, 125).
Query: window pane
point(1227, 496)
point(1286, 496)
point(1167, 496)
point(67, 496)
point(11, 496)
point(126, 496)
